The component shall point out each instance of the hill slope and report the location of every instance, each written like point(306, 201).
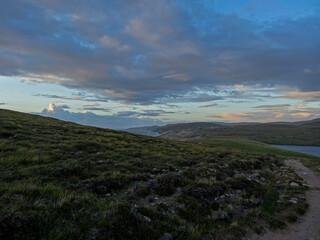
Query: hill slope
point(298, 133)
point(60, 180)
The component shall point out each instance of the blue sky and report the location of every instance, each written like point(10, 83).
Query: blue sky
point(163, 61)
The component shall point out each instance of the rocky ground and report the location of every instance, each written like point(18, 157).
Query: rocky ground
point(308, 226)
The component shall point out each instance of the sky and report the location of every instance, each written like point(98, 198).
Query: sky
point(148, 62)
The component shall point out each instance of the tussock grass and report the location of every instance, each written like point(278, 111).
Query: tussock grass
point(60, 180)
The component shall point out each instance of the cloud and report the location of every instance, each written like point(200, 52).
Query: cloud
point(65, 106)
point(144, 113)
point(96, 109)
point(154, 113)
point(175, 48)
point(116, 121)
point(271, 113)
point(79, 97)
point(312, 96)
point(208, 105)
point(276, 106)
point(1, 103)
point(113, 43)
point(178, 76)
point(196, 97)
point(126, 113)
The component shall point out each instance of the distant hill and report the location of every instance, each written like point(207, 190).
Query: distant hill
point(286, 133)
point(61, 180)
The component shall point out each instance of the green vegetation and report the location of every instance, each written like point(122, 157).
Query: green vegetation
point(299, 133)
point(247, 145)
point(60, 180)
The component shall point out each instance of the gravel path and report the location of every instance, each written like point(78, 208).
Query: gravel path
point(308, 226)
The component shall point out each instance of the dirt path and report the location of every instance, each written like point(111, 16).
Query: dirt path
point(308, 226)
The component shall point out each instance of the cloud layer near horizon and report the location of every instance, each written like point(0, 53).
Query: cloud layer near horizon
point(159, 51)
point(115, 121)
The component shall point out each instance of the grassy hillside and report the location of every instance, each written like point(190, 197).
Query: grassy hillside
point(60, 180)
point(301, 133)
point(247, 145)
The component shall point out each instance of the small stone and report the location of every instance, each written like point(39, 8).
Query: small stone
point(231, 196)
point(294, 184)
point(166, 236)
point(293, 201)
point(108, 195)
point(155, 169)
point(147, 219)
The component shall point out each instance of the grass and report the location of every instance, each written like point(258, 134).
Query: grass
point(60, 180)
point(302, 134)
point(247, 145)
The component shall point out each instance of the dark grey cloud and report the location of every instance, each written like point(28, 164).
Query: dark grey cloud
point(202, 97)
point(275, 106)
point(1, 103)
point(154, 113)
point(175, 48)
point(208, 105)
point(145, 113)
point(65, 106)
point(126, 113)
point(96, 109)
point(79, 97)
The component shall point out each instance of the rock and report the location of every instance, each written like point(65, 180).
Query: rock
point(294, 184)
point(231, 195)
point(256, 175)
point(155, 169)
point(147, 219)
point(166, 236)
point(293, 201)
point(93, 234)
point(308, 186)
point(108, 195)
